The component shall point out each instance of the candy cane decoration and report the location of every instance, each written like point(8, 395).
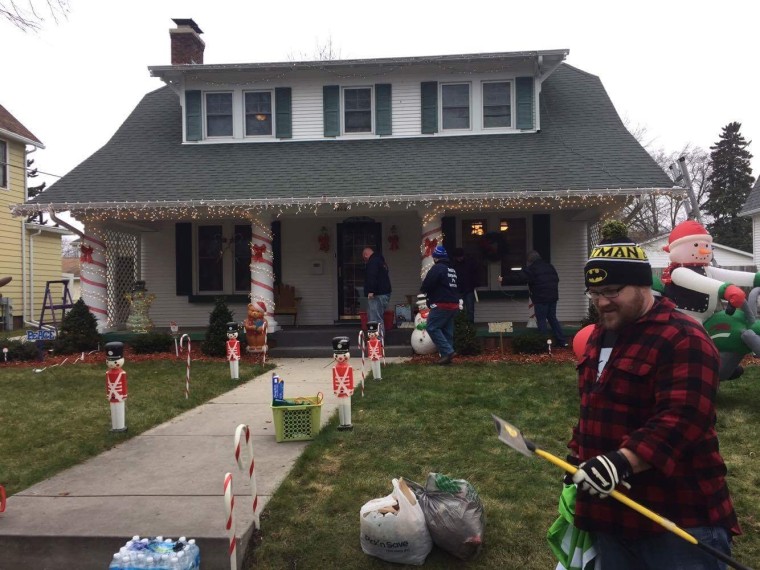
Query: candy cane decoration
point(2, 499)
point(431, 231)
point(187, 374)
point(381, 336)
point(229, 504)
point(243, 428)
point(361, 349)
point(262, 272)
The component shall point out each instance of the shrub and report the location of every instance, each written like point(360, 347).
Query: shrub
point(78, 332)
point(465, 338)
point(18, 350)
point(151, 342)
point(530, 343)
point(592, 317)
point(214, 344)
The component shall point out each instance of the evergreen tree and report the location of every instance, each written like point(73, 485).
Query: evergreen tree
point(731, 181)
point(215, 342)
point(78, 332)
point(465, 338)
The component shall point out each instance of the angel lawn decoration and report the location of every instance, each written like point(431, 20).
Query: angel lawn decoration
point(343, 380)
point(233, 350)
point(116, 385)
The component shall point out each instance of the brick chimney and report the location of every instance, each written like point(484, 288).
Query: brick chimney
point(187, 45)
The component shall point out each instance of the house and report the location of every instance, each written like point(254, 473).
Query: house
point(726, 257)
point(751, 209)
point(234, 177)
point(31, 247)
point(70, 271)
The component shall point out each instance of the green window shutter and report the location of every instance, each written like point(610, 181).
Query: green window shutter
point(283, 112)
point(429, 92)
point(542, 235)
point(449, 230)
point(183, 253)
point(193, 116)
point(524, 91)
point(331, 109)
point(383, 112)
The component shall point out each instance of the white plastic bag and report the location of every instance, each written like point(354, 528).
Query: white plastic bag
point(393, 528)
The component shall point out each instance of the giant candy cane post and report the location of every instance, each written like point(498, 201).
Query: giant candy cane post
point(92, 259)
point(262, 270)
point(431, 237)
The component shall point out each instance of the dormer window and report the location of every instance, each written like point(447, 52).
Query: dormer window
point(455, 106)
point(497, 105)
point(357, 109)
point(258, 113)
point(218, 114)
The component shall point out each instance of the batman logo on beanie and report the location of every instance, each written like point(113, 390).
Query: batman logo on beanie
point(595, 275)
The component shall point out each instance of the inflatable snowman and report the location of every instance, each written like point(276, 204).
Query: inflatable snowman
point(696, 287)
point(421, 341)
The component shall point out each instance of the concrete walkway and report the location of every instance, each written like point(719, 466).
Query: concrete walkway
point(166, 482)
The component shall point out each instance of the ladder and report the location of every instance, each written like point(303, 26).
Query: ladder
point(48, 304)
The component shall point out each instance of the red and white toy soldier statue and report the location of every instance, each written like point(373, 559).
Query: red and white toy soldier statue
point(116, 385)
point(375, 350)
point(233, 350)
point(343, 381)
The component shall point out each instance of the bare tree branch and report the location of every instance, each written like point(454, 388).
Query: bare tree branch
point(27, 16)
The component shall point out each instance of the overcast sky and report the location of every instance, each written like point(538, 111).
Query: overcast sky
point(683, 70)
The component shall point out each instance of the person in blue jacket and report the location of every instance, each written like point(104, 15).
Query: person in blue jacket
point(440, 286)
point(377, 285)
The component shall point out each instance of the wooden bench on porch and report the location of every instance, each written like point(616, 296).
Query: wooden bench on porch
point(285, 301)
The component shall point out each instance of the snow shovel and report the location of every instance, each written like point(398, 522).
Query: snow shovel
point(512, 436)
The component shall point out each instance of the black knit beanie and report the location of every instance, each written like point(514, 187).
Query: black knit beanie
point(617, 261)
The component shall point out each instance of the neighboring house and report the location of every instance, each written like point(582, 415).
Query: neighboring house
point(71, 273)
point(752, 209)
point(31, 248)
point(234, 177)
point(726, 257)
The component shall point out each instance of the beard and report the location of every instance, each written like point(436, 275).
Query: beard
point(614, 317)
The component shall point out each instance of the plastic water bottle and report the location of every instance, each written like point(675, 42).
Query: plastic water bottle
point(195, 554)
point(125, 562)
point(116, 562)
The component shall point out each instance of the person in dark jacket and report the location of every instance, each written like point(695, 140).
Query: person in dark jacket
point(377, 285)
point(440, 286)
point(543, 285)
point(467, 280)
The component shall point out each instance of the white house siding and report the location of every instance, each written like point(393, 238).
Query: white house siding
point(307, 106)
point(756, 239)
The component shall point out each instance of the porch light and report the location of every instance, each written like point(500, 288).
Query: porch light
point(477, 229)
point(503, 226)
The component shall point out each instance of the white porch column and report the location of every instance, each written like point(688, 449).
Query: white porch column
point(262, 270)
point(92, 260)
point(431, 237)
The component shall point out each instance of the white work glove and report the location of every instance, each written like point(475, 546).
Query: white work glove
point(601, 474)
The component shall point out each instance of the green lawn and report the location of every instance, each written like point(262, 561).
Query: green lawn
point(57, 418)
point(425, 418)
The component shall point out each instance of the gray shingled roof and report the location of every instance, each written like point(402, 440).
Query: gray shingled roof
point(752, 205)
point(582, 145)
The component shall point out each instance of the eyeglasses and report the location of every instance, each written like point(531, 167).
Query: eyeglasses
point(608, 294)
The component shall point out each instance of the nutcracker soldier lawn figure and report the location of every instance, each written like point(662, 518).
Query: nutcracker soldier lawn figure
point(116, 385)
point(375, 349)
point(343, 381)
point(233, 350)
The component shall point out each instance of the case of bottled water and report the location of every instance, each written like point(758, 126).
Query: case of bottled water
point(157, 553)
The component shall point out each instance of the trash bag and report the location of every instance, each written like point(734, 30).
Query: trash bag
point(393, 527)
point(454, 514)
point(573, 548)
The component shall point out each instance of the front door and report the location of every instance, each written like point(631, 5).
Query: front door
point(353, 236)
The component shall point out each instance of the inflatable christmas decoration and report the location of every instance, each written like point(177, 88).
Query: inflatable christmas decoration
point(233, 350)
point(343, 380)
point(698, 289)
point(421, 341)
point(116, 385)
point(256, 327)
point(375, 350)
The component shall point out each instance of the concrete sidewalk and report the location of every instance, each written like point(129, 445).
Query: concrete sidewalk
point(166, 482)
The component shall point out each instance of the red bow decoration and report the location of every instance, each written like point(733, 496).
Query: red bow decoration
point(324, 241)
point(393, 239)
point(258, 252)
point(430, 246)
point(86, 256)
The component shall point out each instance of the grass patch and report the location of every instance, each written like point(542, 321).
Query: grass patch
point(421, 419)
point(58, 418)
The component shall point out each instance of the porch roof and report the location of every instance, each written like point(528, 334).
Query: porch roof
point(583, 148)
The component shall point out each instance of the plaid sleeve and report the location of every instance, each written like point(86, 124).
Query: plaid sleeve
point(685, 385)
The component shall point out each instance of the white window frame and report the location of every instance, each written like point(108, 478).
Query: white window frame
point(4, 166)
point(371, 130)
point(205, 114)
point(273, 113)
point(469, 105)
point(511, 126)
point(228, 259)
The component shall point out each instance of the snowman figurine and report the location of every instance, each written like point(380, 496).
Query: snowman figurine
point(692, 283)
point(421, 341)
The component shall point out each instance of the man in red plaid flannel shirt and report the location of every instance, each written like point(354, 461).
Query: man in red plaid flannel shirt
point(647, 382)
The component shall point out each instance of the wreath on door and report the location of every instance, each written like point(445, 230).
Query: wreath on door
point(493, 246)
